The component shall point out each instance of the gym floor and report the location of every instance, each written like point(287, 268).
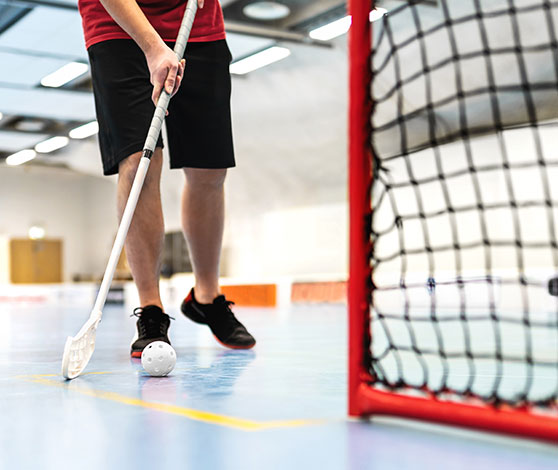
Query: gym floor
point(281, 405)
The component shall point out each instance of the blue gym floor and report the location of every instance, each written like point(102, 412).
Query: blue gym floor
point(280, 406)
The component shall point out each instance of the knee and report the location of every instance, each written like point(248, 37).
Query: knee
point(128, 168)
point(205, 178)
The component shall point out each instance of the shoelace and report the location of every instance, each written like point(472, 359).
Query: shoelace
point(149, 326)
point(229, 317)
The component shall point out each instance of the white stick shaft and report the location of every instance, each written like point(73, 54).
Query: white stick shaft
point(122, 232)
point(150, 143)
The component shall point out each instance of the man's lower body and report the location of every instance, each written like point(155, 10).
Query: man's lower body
point(200, 143)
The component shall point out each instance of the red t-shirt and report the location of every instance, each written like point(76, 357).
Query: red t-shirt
point(164, 15)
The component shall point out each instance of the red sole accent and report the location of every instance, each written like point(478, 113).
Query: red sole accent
point(135, 354)
point(233, 347)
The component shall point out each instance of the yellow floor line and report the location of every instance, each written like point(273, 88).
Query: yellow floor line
point(203, 416)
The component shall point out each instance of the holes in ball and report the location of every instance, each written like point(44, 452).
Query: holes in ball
point(149, 359)
point(161, 358)
point(160, 346)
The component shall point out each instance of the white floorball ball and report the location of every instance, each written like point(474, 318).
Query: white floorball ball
point(158, 358)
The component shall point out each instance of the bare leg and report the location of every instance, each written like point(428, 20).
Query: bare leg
point(144, 244)
point(203, 218)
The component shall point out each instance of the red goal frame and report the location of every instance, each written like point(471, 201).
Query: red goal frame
point(364, 400)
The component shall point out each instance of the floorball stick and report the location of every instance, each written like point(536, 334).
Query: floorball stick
point(79, 348)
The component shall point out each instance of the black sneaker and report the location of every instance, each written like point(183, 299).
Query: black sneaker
point(152, 325)
point(220, 319)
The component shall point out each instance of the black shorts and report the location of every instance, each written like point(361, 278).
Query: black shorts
point(199, 121)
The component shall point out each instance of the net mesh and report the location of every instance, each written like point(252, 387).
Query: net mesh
point(465, 197)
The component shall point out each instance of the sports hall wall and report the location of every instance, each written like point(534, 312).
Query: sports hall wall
point(286, 201)
point(76, 208)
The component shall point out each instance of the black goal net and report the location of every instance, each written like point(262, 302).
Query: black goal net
point(464, 131)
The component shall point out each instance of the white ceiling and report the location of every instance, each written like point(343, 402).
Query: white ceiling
point(57, 34)
point(43, 41)
point(49, 31)
point(25, 71)
point(50, 104)
point(47, 38)
point(15, 141)
point(242, 46)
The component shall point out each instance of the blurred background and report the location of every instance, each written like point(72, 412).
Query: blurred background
point(286, 238)
point(286, 200)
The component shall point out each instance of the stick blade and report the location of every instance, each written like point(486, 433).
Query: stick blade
point(79, 348)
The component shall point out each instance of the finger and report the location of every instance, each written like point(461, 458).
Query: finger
point(157, 89)
point(179, 76)
point(155, 95)
point(180, 70)
point(171, 78)
point(200, 3)
point(158, 81)
point(177, 84)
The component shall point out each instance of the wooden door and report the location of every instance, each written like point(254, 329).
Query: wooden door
point(35, 261)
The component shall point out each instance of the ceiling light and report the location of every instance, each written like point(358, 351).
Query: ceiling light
point(341, 26)
point(331, 30)
point(266, 11)
point(64, 74)
point(84, 131)
point(21, 157)
point(52, 144)
point(36, 232)
point(377, 13)
point(260, 59)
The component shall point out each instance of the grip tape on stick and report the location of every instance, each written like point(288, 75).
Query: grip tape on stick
point(164, 98)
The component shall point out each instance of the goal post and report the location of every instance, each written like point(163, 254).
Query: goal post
point(360, 179)
point(510, 274)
